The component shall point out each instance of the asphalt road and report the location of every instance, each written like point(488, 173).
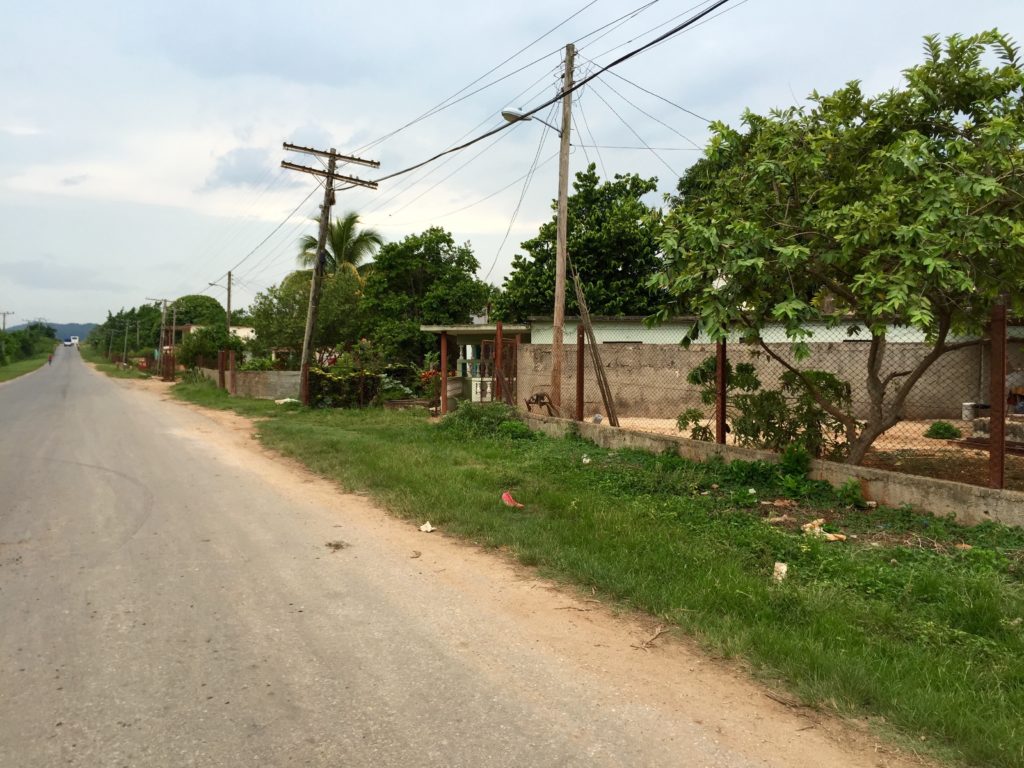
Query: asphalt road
point(163, 603)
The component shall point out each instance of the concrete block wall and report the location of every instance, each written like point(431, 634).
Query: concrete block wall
point(649, 380)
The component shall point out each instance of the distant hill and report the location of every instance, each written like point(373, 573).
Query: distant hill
point(64, 330)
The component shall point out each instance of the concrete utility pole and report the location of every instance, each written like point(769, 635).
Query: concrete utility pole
point(561, 243)
point(325, 222)
point(124, 354)
point(229, 302)
point(4, 315)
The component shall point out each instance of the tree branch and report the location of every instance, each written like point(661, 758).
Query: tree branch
point(844, 418)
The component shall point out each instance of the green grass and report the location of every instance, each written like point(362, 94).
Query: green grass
point(91, 355)
point(915, 621)
point(20, 368)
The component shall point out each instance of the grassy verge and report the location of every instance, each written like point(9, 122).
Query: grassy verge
point(913, 620)
point(20, 368)
point(111, 369)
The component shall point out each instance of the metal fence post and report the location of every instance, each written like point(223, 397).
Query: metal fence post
point(580, 370)
point(220, 368)
point(720, 388)
point(997, 396)
point(231, 368)
point(444, 372)
point(498, 371)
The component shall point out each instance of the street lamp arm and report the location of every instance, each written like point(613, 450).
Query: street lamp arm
point(515, 115)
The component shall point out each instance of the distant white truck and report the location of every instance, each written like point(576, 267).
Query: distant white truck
point(74, 340)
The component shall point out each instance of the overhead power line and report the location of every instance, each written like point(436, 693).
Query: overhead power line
point(576, 86)
point(452, 100)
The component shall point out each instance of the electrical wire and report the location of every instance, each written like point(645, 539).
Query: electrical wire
point(609, 86)
point(576, 86)
point(658, 96)
point(522, 195)
point(483, 199)
point(633, 131)
point(583, 117)
point(406, 185)
point(619, 22)
point(448, 102)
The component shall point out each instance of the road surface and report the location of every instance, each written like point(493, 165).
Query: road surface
point(167, 599)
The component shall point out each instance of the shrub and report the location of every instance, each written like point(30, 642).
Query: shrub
point(942, 430)
point(350, 390)
point(515, 430)
point(257, 364)
point(479, 419)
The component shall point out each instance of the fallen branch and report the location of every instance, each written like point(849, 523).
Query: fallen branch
point(649, 642)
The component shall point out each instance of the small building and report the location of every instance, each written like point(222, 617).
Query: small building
point(486, 360)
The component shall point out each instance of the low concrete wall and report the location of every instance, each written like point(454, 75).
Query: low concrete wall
point(261, 385)
point(969, 504)
point(267, 385)
point(649, 380)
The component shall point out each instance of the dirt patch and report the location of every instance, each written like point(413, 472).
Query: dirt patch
point(634, 654)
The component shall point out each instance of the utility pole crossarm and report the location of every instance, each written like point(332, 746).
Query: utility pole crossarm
point(337, 157)
point(331, 176)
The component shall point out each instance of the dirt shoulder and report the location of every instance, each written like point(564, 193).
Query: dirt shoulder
point(625, 650)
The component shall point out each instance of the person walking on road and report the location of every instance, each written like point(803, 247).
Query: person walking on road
point(49, 360)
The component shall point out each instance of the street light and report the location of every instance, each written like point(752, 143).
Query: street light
point(515, 115)
point(558, 317)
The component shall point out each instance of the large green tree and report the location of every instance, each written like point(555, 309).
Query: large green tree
point(279, 314)
point(348, 247)
point(611, 241)
point(862, 211)
point(423, 279)
point(197, 309)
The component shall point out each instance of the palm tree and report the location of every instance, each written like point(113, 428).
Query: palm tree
point(348, 247)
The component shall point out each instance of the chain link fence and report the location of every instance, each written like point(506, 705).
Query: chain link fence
point(932, 414)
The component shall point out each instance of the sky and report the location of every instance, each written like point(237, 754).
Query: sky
point(140, 143)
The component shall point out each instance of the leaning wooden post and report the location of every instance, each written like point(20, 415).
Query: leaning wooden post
point(580, 370)
point(721, 361)
point(997, 397)
point(498, 339)
point(444, 372)
point(233, 387)
point(221, 354)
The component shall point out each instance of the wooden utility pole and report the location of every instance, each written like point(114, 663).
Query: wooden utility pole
point(325, 222)
point(3, 347)
point(561, 244)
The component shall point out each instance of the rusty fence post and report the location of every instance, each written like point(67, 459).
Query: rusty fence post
point(233, 387)
point(498, 372)
point(997, 396)
point(220, 368)
point(721, 361)
point(444, 372)
point(580, 370)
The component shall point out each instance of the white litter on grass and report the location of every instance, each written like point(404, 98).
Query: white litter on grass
point(751, 490)
point(427, 527)
point(780, 572)
point(285, 401)
point(586, 459)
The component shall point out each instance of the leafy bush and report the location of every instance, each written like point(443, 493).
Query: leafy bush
point(350, 390)
point(479, 419)
point(515, 430)
point(942, 430)
point(772, 418)
point(393, 389)
point(257, 364)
